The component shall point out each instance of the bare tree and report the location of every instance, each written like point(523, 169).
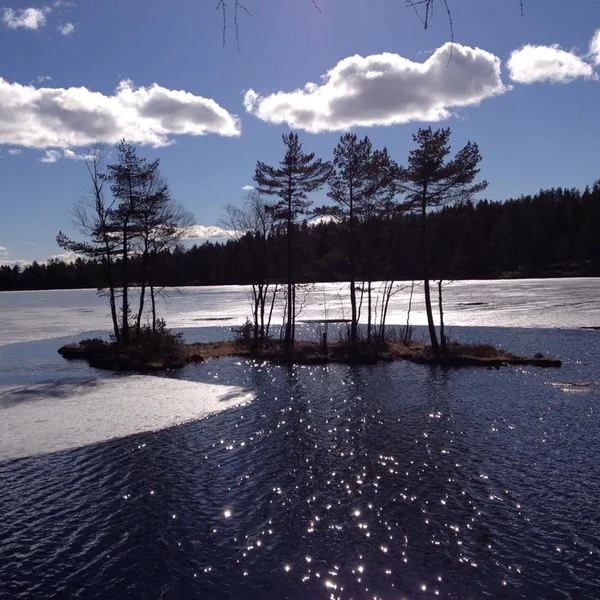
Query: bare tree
point(92, 217)
point(377, 206)
point(252, 226)
point(139, 222)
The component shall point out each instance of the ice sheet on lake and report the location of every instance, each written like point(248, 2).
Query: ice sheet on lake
point(530, 303)
point(47, 417)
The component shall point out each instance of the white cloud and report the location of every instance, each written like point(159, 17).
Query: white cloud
point(42, 78)
point(6, 260)
point(50, 156)
point(595, 48)
point(26, 18)
point(66, 28)
point(322, 219)
point(248, 188)
point(48, 117)
point(385, 89)
point(74, 156)
point(205, 232)
point(67, 257)
point(15, 151)
point(532, 64)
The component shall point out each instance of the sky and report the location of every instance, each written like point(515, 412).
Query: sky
point(526, 88)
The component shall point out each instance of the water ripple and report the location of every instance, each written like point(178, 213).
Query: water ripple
point(386, 481)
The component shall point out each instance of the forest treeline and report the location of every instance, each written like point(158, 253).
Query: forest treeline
point(554, 233)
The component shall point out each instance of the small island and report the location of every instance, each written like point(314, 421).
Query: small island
point(375, 205)
point(105, 355)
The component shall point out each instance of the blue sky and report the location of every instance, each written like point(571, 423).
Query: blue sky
point(525, 88)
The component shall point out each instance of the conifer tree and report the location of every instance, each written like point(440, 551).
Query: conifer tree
point(433, 181)
point(298, 175)
point(362, 185)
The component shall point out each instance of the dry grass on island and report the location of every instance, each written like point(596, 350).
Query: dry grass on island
point(163, 350)
point(307, 352)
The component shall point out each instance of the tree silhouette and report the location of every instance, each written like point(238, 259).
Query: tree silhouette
point(433, 181)
point(129, 181)
point(137, 224)
point(92, 216)
point(348, 187)
point(362, 185)
point(252, 227)
point(298, 175)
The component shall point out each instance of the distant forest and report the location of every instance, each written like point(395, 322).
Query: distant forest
point(555, 233)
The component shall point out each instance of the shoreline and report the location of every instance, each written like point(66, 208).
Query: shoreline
point(506, 276)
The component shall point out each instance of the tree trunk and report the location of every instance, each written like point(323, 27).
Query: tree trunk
point(407, 330)
point(256, 294)
point(384, 310)
point(145, 279)
point(262, 310)
point(430, 323)
point(271, 311)
point(288, 340)
point(353, 324)
point(444, 348)
point(138, 324)
point(293, 314)
point(153, 302)
point(353, 316)
point(111, 291)
point(369, 310)
point(125, 308)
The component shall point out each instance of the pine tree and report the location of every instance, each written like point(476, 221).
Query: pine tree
point(348, 187)
point(362, 185)
point(433, 181)
point(298, 175)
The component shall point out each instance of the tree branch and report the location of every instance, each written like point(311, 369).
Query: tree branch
point(221, 4)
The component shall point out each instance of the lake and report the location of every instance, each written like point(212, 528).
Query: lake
point(238, 479)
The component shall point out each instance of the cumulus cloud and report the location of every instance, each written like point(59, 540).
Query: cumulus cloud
point(74, 156)
point(532, 64)
point(46, 117)
point(595, 48)
point(248, 188)
point(206, 232)
point(385, 89)
point(66, 28)
point(15, 151)
point(6, 260)
point(50, 156)
point(26, 18)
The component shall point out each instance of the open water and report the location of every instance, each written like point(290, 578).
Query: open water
point(234, 479)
